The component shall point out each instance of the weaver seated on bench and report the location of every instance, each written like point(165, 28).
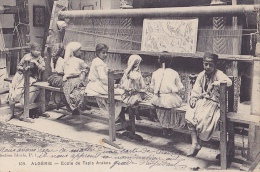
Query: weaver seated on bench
point(33, 63)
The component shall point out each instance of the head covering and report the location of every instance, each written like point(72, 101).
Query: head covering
point(70, 48)
point(134, 60)
point(210, 57)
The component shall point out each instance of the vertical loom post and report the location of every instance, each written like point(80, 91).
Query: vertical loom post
point(111, 104)
point(223, 125)
point(236, 48)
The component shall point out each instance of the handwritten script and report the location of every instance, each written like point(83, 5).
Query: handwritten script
point(93, 155)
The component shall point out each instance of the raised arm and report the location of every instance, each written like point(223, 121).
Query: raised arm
point(21, 63)
point(41, 64)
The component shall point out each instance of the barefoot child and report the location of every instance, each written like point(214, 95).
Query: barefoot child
point(203, 114)
point(16, 91)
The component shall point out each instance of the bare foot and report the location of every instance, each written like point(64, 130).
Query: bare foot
point(8, 118)
point(195, 148)
point(29, 120)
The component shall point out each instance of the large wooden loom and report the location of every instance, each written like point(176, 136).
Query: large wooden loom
point(121, 30)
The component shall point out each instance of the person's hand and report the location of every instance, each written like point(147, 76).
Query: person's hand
point(193, 102)
point(20, 71)
point(203, 95)
point(64, 78)
point(216, 83)
point(27, 68)
point(35, 62)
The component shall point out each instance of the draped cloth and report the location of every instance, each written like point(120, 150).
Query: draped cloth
point(70, 48)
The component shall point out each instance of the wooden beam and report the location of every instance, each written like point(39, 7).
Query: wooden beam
point(10, 9)
point(199, 55)
point(162, 12)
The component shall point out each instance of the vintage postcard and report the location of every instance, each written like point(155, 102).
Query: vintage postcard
point(129, 85)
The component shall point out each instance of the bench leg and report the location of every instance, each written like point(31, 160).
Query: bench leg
point(26, 101)
point(231, 142)
point(132, 120)
point(253, 142)
point(131, 130)
point(43, 103)
point(223, 148)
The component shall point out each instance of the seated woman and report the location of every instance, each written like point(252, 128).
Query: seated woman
point(74, 79)
point(98, 79)
point(203, 114)
point(165, 85)
point(57, 62)
point(35, 63)
point(133, 84)
point(56, 78)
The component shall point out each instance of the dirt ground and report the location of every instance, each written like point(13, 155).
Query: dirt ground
point(75, 143)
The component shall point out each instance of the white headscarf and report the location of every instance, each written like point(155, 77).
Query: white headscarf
point(133, 60)
point(70, 49)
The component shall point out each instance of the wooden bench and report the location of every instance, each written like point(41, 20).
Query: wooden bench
point(41, 104)
point(227, 120)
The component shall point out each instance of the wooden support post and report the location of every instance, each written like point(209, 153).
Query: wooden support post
point(231, 96)
point(255, 108)
point(253, 142)
point(254, 131)
point(111, 105)
point(255, 163)
point(26, 92)
point(111, 111)
point(42, 100)
point(132, 120)
point(231, 141)
point(223, 126)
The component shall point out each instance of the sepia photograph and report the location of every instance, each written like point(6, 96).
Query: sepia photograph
point(129, 85)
